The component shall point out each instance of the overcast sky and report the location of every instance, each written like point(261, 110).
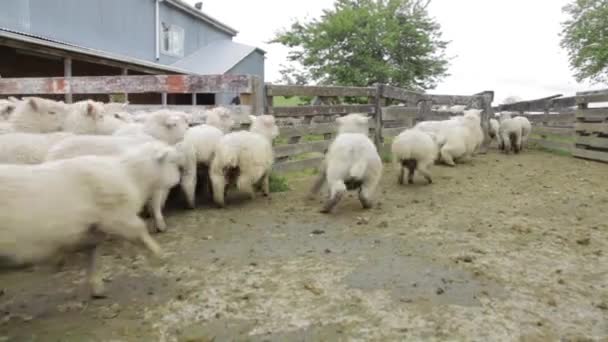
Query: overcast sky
point(511, 47)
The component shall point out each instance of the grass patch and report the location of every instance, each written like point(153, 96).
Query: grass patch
point(554, 137)
point(281, 101)
point(278, 183)
point(558, 152)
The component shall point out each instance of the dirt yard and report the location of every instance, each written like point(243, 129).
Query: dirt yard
point(505, 248)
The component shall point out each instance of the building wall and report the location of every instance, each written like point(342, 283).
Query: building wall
point(250, 65)
point(125, 27)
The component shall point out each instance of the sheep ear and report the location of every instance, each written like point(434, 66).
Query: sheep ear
point(13, 99)
point(33, 103)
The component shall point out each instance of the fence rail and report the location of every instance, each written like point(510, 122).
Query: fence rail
point(306, 130)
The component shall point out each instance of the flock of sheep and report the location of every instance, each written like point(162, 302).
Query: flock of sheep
point(73, 174)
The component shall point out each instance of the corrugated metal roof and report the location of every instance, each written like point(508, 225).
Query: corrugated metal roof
point(216, 58)
point(202, 16)
point(53, 43)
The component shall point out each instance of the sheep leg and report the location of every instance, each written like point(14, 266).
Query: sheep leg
point(401, 177)
point(266, 185)
point(316, 186)
point(157, 203)
point(447, 158)
point(188, 185)
point(367, 189)
point(218, 183)
point(337, 190)
point(244, 185)
point(426, 173)
point(132, 228)
point(94, 279)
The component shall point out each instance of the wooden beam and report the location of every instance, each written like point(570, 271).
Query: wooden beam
point(298, 165)
point(590, 154)
point(163, 99)
point(591, 98)
point(379, 103)
point(194, 99)
point(321, 110)
point(67, 74)
point(293, 90)
point(395, 93)
point(173, 84)
point(295, 149)
point(125, 72)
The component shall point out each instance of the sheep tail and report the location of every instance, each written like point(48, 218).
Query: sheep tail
point(357, 171)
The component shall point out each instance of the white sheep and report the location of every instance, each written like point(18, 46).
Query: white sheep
point(415, 150)
point(6, 109)
point(99, 145)
point(526, 129)
point(456, 144)
point(199, 146)
point(84, 200)
point(92, 117)
point(494, 127)
point(472, 121)
point(38, 115)
point(351, 163)
point(244, 158)
point(28, 148)
point(510, 133)
point(165, 125)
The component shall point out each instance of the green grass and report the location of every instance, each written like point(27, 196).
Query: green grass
point(281, 101)
point(278, 183)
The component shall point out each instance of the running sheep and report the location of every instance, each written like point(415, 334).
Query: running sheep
point(165, 125)
point(244, 158)
point(99, 145)
point(199, 146)
point(414, 150)
point(85, 200)
point(351, 163)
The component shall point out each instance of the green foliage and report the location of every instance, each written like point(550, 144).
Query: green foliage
point(585, 37)
point(278, 183)
point(362, 42)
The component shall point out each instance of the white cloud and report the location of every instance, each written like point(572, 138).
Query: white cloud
point(511, 47)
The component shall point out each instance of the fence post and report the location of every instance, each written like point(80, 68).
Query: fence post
point(378, 138)
point(486, 104)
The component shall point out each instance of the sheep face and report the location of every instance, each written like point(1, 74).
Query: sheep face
point(353, 123)
point(221, 118)
point(45, 115)
point(264, 125)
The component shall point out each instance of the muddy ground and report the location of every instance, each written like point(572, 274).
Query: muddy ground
point(506, 248)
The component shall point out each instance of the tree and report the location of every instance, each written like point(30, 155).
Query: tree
point(585, 37)
point(511, 99)
point(362, 42)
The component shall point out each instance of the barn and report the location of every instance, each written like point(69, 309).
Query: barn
point(65, 38)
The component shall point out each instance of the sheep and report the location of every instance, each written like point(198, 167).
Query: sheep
point(352, 162)
point(85, 199)
point(472, 120)
point(493, 131)
point(510, 133)
point(92, 117)
point(526, 129)
point(199, 146)
point(28, 148)
point(244, 158)
point(165, 125)
point(456, 144)
point(38, 115)
point(415, 150)
point(6, 109)
point(99, 145)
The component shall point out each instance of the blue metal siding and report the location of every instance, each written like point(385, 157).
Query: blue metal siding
point(124, 27)
point(250, 65)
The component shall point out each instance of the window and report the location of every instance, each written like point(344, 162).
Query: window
point(172, 40)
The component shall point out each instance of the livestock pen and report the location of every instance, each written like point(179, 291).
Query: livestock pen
point(505, 247)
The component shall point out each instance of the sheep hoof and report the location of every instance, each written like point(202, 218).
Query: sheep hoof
point(161, 227)
point(98, 291)
point(429, 180)
point(410, 181)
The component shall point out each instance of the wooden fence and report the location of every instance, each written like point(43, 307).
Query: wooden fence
point(306, 130)
point(552, 120)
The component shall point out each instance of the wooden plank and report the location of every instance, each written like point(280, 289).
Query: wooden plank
point(591, 98)
point(590, 154)
point(589, 127)
point(321, 110)
point(592, 92)
point(297, 165)
point(550, 118)
point(592, 141)
point(303, 130)
point(553, 145)
point(400, 94)
point(67, 74)
point(399, 113)
point(379, 103)
point(529, 105)
point(295, 149)
point(543, 130)
point(179, 84)
point(395, 131)
point(451, 100)
point(296, 90)
point(592, 114)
